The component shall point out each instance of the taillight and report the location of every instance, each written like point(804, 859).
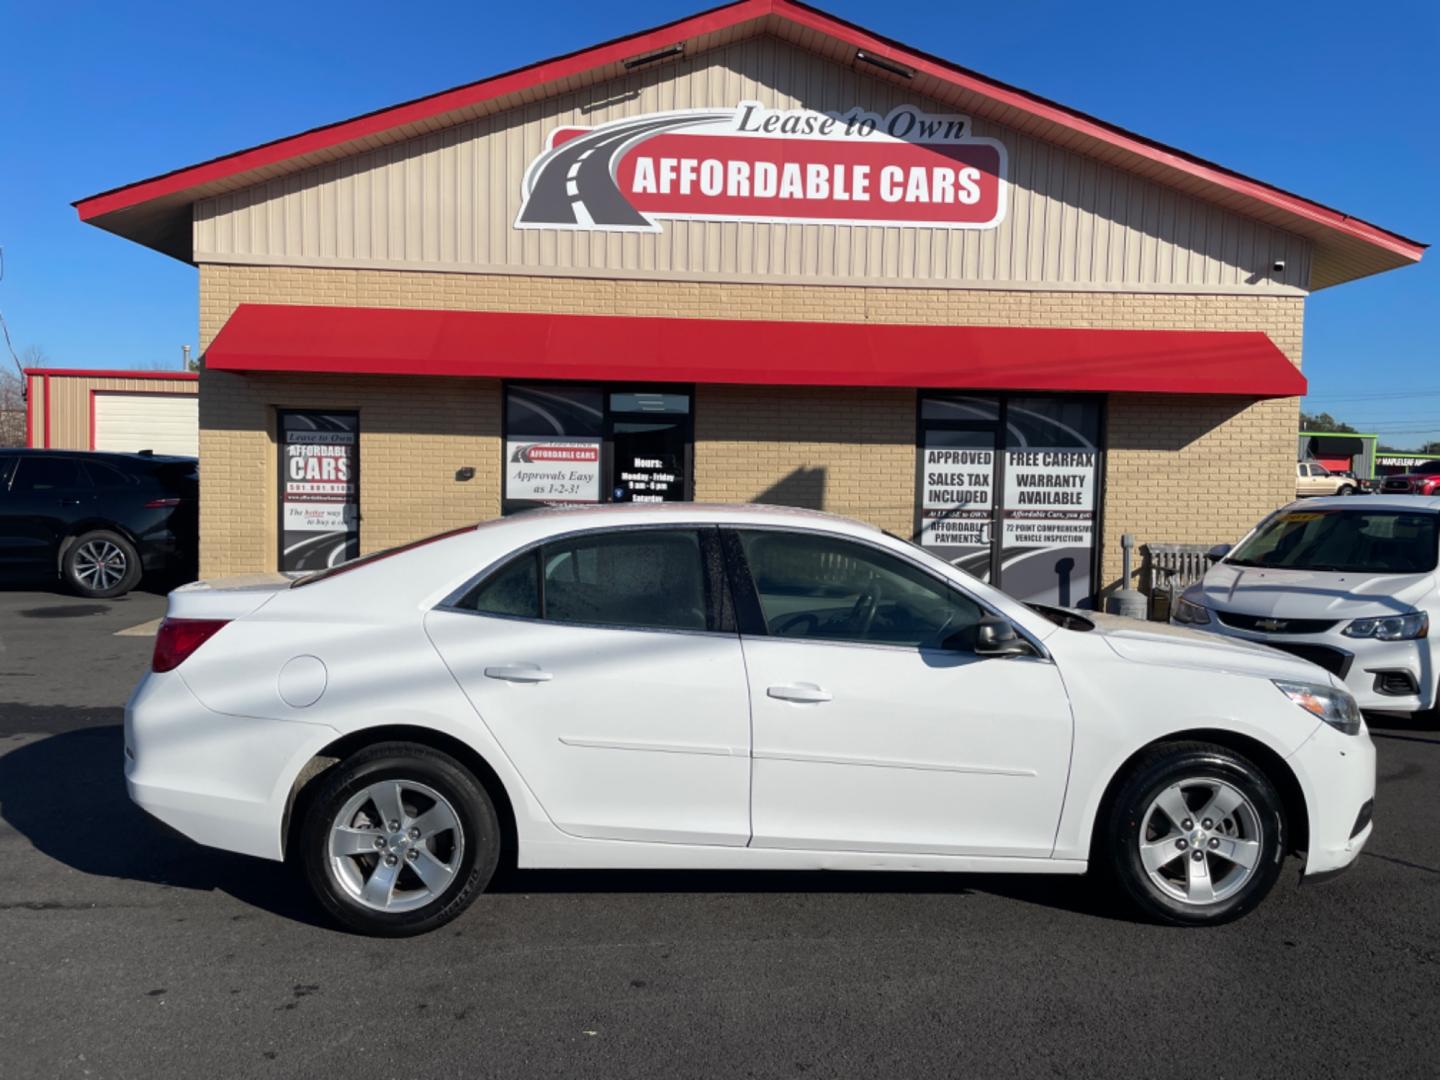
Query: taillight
point(160, 504)
point(178, 638)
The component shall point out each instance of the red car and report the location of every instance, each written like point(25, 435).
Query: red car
point(1424, 480)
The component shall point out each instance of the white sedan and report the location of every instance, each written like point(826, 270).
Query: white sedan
point(683, 686)
point(1349, 584)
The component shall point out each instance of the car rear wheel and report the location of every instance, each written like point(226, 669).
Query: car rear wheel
point(101, 565)
point(1195, 835)
point(398, 840)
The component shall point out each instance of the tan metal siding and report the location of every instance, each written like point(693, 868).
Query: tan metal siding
point(447, 200)
point(69, 405)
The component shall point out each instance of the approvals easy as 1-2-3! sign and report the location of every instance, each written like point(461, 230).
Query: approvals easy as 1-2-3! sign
point(752, 163)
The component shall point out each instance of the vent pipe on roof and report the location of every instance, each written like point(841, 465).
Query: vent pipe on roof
point(650, 58)
point(863, 57)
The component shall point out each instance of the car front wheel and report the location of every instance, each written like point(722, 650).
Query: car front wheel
point(1195, 835)
point(398, 840)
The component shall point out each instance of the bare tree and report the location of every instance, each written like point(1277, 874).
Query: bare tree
point(12, 407)
point(34, 356)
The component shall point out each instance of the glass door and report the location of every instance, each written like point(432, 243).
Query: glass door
point(1008, 490)
point(650, 443)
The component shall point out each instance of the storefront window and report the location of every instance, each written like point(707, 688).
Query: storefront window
point(1008, 490)
point(319, 489)
point(570, 443)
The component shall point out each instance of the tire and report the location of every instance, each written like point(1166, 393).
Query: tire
point(100, 565)
point(1346, 489)
point(457, 856)
point(1172, 888)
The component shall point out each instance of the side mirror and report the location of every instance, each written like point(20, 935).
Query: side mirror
point(996, 636)
point(1216, 553)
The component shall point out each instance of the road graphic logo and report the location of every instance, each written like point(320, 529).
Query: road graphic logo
point(752, 163)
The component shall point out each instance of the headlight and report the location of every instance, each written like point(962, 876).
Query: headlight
point(1190, 613)
point(1390, 627)
point(1336, 707)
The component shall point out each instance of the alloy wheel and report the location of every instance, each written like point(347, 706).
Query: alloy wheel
point(1200, 841)
point(396, 845)
point(100, 565)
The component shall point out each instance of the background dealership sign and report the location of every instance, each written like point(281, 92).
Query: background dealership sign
point(751, 163)
point(319, 489)
point(553, 470)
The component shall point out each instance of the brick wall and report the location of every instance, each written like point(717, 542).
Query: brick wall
point(1178, 469)
point(414, 435)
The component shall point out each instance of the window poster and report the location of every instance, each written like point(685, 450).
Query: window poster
point(957, 508)
point(319, 490)
point(559, 469)
point(1047, 528)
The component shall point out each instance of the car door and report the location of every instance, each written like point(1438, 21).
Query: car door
point(46, 493)
point(607, 666)
point(875, 725)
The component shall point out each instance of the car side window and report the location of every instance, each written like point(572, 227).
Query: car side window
point(512, 590)
point(828, 589)
point(49, 474)
point(651, 579)
point(105, 476)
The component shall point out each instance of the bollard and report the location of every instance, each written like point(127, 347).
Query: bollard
point(1125, 600)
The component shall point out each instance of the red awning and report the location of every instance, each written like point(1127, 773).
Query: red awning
point(513, 345)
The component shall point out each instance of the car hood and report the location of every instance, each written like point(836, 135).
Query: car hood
point(1310, 594)
point(1176, 646)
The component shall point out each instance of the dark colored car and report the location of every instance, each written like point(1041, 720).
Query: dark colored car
point(1420, 480)
point(99, 521)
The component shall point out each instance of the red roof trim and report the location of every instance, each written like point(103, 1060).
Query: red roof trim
point(401, 341)
point(112, 373)
point(423, 108)
point(719, 18)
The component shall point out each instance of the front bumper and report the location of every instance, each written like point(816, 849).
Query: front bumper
point(221, 780)
point(1396, 675)
point(1336, 773)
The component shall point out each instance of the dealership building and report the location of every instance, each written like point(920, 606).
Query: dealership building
point(758, 254)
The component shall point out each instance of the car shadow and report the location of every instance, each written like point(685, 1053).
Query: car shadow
point(1420, 727)
point(66, 794)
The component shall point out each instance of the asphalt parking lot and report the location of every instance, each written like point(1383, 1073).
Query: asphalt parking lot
point(127, 952)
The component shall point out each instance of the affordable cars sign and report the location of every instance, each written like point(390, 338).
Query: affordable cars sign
point(752, 163)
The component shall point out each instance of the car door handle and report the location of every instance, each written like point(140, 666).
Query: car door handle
point(804, 693)
point(518, 673)
point(69, 502)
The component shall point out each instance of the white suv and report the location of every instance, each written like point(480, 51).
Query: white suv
point(1348, 584)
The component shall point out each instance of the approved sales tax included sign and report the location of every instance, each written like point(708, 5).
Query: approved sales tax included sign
point(752, 163)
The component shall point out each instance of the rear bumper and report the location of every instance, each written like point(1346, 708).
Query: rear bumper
point(221, 780)
point(1337, 776)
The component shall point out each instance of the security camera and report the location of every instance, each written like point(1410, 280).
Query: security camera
point(1279, 266)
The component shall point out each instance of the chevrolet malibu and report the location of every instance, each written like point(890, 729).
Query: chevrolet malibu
point(682, 686)
point(1350, 586)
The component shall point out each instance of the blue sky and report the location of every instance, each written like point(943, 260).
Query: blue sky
point(1335, 102)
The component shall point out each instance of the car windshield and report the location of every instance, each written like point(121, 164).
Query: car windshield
point(1358, 541)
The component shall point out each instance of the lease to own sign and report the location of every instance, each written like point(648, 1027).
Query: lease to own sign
point(752, 163)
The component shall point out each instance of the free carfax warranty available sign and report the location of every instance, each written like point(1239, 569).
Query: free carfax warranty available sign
point(752, 163)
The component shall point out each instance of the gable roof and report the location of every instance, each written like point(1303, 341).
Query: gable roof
point(156, 211)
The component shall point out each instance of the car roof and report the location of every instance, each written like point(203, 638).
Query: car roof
point(556, 520)
point(123, 455)
point(1368, 502)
